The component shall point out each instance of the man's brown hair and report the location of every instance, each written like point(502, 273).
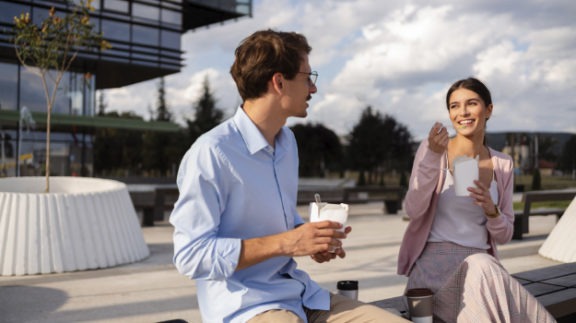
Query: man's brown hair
point(264, 53)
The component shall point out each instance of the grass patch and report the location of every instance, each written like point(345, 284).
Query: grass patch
point(548, 182)
point(519, 206)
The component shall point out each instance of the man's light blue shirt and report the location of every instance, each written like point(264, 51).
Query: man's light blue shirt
point(234, 186)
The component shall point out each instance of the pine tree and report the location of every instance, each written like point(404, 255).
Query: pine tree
point(378, 144)
point(206, 114)
point(102, 105)
point(157, 156)
point(162, 112)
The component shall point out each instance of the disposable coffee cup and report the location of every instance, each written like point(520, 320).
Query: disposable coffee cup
point(465, 172)
point(420, 305)
point(348, 288)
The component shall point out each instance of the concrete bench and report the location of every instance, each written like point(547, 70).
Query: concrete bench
point(521, 218)
point(391, 196)
point(305, 196)
point(554, 287)
point(153, 202)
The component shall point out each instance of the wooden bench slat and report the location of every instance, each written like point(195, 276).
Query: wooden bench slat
point(561, 303)
point(547, 273)
point(569, 281)
point(539, 289)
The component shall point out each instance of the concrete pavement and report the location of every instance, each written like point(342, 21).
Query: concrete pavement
point(152, 290)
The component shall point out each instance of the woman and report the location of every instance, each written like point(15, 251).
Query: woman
point(450, 243)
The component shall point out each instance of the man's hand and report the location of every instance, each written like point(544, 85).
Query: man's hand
point(313, 238)
point(327, 256)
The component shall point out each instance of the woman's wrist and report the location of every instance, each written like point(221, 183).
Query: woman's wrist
point(494, 214)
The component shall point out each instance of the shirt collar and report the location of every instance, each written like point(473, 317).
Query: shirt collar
point(252, 137)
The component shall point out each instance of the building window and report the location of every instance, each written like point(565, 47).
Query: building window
point(89, 96)
point(76, 94)
point(8, 86)
point(8, 12)
point(170, 39)
point(114, 30)
point(116, 5)
point(171, 17)
point(145, 35)
point(40, 14)
point(95, 3)
point(145, 13)
point(31, 92)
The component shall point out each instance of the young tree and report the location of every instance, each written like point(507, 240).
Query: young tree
point(49, 48)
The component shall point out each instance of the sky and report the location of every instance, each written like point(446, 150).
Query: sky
point(397, 56)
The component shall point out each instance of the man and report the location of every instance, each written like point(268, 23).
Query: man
point(236, 224)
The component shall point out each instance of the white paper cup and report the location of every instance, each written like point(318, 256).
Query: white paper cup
point(465, 172)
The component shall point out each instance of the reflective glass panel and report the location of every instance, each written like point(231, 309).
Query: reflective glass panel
point(115, 30)
point(146, 12)
point(62, 100)
point(170, 39)
point(11, 10)
point(171, 17)
point(40, 14)
point(8, 86)
point(31, 92)
point(145, 35)
point(116, 5)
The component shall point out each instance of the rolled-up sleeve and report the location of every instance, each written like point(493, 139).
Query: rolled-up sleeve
point(502, 228)
point(423, 181)
point(199, 252)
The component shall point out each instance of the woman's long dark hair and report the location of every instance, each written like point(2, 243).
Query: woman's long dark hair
point(473, 85)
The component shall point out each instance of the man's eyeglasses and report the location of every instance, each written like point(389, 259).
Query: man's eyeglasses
point(312, 77)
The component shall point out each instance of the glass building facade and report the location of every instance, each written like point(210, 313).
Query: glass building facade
point(145, 37)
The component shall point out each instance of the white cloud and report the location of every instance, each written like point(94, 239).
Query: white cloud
point(400, 59)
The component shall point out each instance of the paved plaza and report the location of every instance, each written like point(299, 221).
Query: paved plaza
point(152, 290)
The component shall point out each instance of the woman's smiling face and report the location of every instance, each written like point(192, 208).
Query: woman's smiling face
point(468, 112)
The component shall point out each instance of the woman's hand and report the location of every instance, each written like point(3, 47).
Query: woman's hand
point(481, 196)
point(438, 138)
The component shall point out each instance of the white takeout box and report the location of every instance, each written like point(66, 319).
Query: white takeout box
point(329, 211)
point(465, 172)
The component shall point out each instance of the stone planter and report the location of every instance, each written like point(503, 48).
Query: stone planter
point(83, 223)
